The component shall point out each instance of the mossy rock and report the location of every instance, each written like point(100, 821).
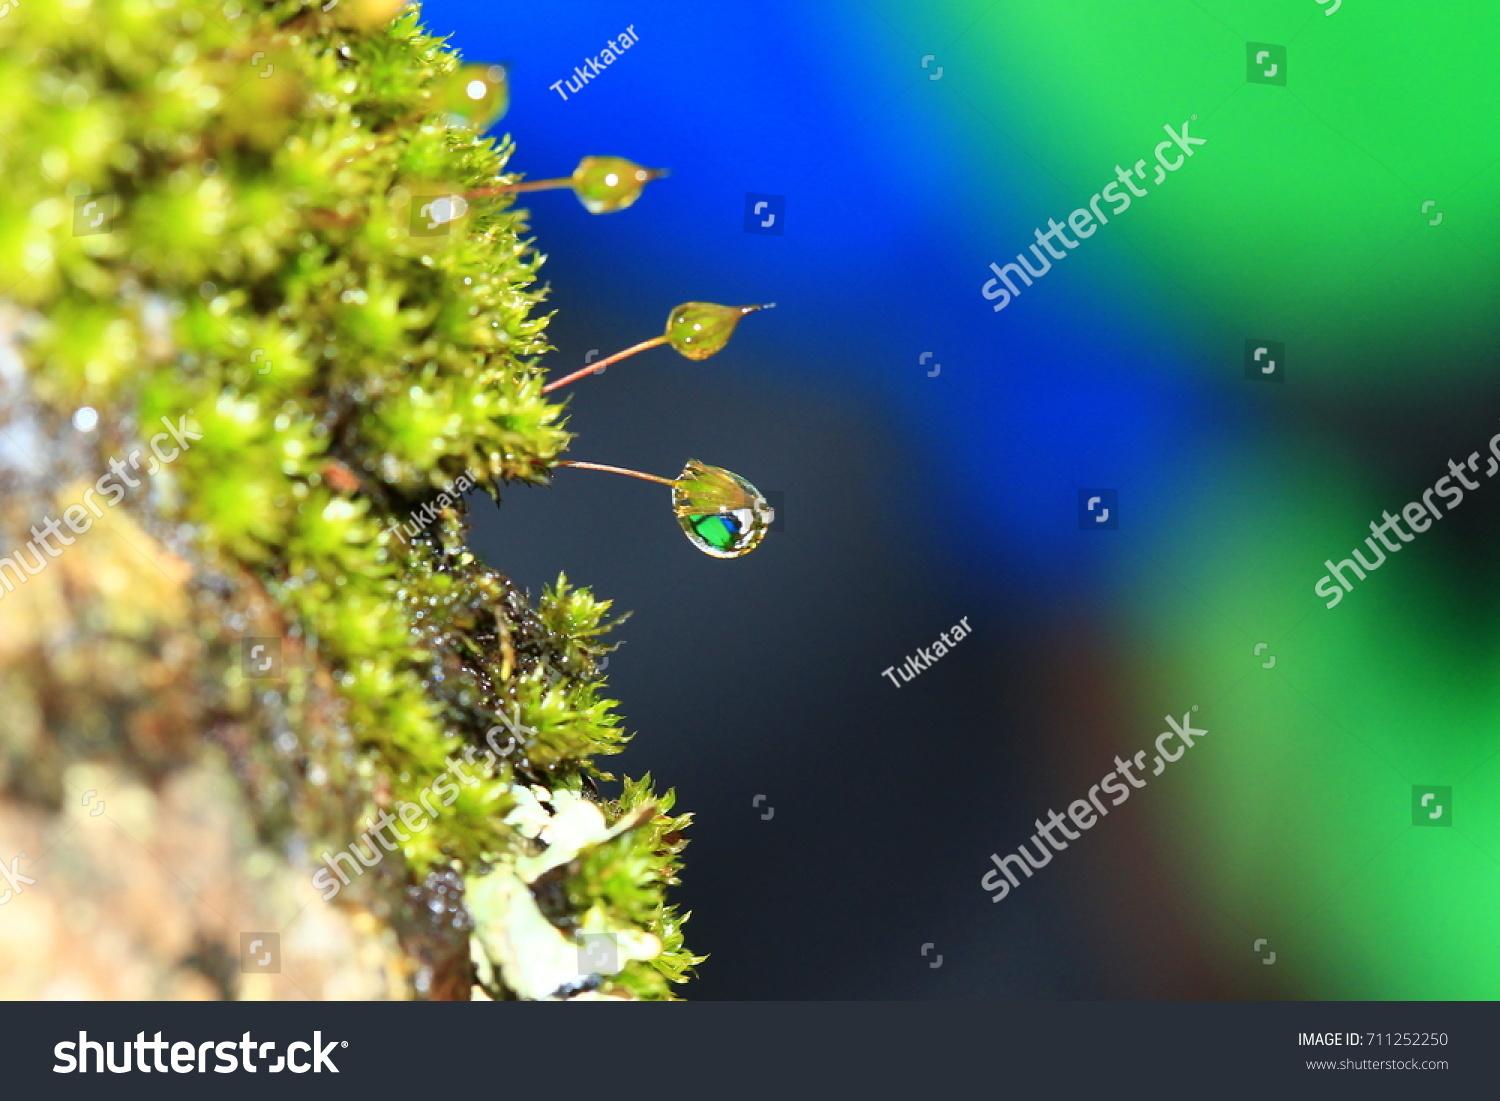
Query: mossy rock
point(217, 219)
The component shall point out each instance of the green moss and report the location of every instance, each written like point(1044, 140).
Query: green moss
point(262, 266)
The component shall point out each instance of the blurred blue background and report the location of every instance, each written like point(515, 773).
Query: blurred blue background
point(908, 501)
point(908, 147)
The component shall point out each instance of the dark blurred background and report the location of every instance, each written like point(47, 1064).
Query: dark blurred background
point(927, 456)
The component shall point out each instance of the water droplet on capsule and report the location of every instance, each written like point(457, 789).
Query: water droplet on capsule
point(721, 514)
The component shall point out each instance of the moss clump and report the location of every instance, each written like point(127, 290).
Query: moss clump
point(220, 212)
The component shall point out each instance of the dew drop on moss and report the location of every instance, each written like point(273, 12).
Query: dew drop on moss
point(721, 514)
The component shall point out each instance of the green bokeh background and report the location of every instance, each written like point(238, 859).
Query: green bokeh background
point(1308, 214)
point(1303, 220)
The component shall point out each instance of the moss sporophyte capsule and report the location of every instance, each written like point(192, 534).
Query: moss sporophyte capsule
point(476, 94)
point(603, 184)
point(721, 514)
point(363, 15)
point(607, 184)
point(695, 330)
